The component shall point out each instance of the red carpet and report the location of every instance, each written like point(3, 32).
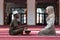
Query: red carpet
point(4, 35)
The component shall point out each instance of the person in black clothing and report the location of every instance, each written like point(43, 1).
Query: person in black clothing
point(14, 28)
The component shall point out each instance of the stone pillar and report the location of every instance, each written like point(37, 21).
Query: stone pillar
point(30, 12)
point(1, 12)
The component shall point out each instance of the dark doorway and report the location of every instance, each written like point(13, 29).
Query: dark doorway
point(41, 8)
point(11, 5)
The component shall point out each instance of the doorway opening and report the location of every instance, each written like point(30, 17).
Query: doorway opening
point(41, 8)
point(13, 6)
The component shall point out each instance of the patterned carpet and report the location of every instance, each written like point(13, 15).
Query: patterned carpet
point(4, 35)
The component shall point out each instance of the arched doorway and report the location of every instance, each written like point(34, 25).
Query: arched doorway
point(15, 5)
point(40, 11)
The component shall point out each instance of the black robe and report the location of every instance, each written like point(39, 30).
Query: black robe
point(14, 29)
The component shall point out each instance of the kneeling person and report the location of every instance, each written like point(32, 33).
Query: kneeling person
point(14, 29)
